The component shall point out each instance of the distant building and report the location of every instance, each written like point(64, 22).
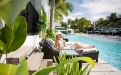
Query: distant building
point(56, 25)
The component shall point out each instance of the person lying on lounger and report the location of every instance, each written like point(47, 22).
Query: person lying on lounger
point(61, 44)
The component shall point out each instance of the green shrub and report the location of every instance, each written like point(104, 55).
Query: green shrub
point(71, 68)
point(51, 34)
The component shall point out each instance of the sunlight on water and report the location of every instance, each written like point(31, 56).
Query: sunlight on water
point(110, 48)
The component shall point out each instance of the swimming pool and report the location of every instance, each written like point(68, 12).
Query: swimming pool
point(110, 48)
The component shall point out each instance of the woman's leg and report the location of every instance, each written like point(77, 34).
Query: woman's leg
point(78, 46)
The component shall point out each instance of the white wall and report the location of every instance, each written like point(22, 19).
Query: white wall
point(32, 40)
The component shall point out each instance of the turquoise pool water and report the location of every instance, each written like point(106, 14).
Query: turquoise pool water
point(110, 48)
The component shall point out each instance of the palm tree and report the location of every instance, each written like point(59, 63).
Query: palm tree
point(111, 19)
point(73, 24)
point(83, 24)
point(119, 23)
point(87, 24)
point(64, 24)
point(69, 22)
point(52, 13)
point(100, 22)
point(76, 21)
point(61, 7)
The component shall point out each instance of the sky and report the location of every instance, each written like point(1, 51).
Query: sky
point(93, 9)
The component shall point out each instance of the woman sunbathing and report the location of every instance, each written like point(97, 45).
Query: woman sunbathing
point(61, 44)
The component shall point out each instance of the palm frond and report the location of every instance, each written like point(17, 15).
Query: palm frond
point(69, 6)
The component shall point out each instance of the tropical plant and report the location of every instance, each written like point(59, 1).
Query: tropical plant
point(64, 24)
point(69, 22)
point(87, 25)
point(12, 38)
point(9, 69)
point(3, 2)
point(112, 17)
point(73, 25)
point(71, 68)
point(11, 10)
point(51, 34)
point(100, 22)
point(48, 69)
point(52, 3)
point(13, 34)
point(80, 24)
point(119, 23)
point(112, 24)
point(62, 8)
point(42, 24)
point(59, 8)
point(83, 24)
point(76, 21)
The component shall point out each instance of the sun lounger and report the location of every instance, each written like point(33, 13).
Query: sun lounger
point(50, 51)
point(92, 53)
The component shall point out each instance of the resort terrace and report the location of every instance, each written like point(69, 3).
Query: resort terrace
point(101, 67)
point(28, 34)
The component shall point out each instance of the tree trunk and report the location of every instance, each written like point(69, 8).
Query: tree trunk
point(52, 14)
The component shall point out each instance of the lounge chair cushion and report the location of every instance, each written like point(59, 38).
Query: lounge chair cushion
point(50, 46)
point(89, 50)
point(41, 43)
point(51, 41)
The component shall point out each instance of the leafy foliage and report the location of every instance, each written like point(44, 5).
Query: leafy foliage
point(13, 35)
point(50, 34)
point(81, 24)
point(71, 68)
point(10, 69)
point(9, 11)
point(42, 24)
point(111, 21)
point(61, 8)
point(22, 69)
point(3, 2)
point(12, 38)
point(48, 69)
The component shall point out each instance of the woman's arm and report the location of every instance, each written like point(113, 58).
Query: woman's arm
point(57, 46)
point(65, 44)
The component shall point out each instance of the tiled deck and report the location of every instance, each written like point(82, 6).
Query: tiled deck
point(102, 68)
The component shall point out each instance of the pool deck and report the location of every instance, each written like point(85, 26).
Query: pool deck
point(101, 68)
